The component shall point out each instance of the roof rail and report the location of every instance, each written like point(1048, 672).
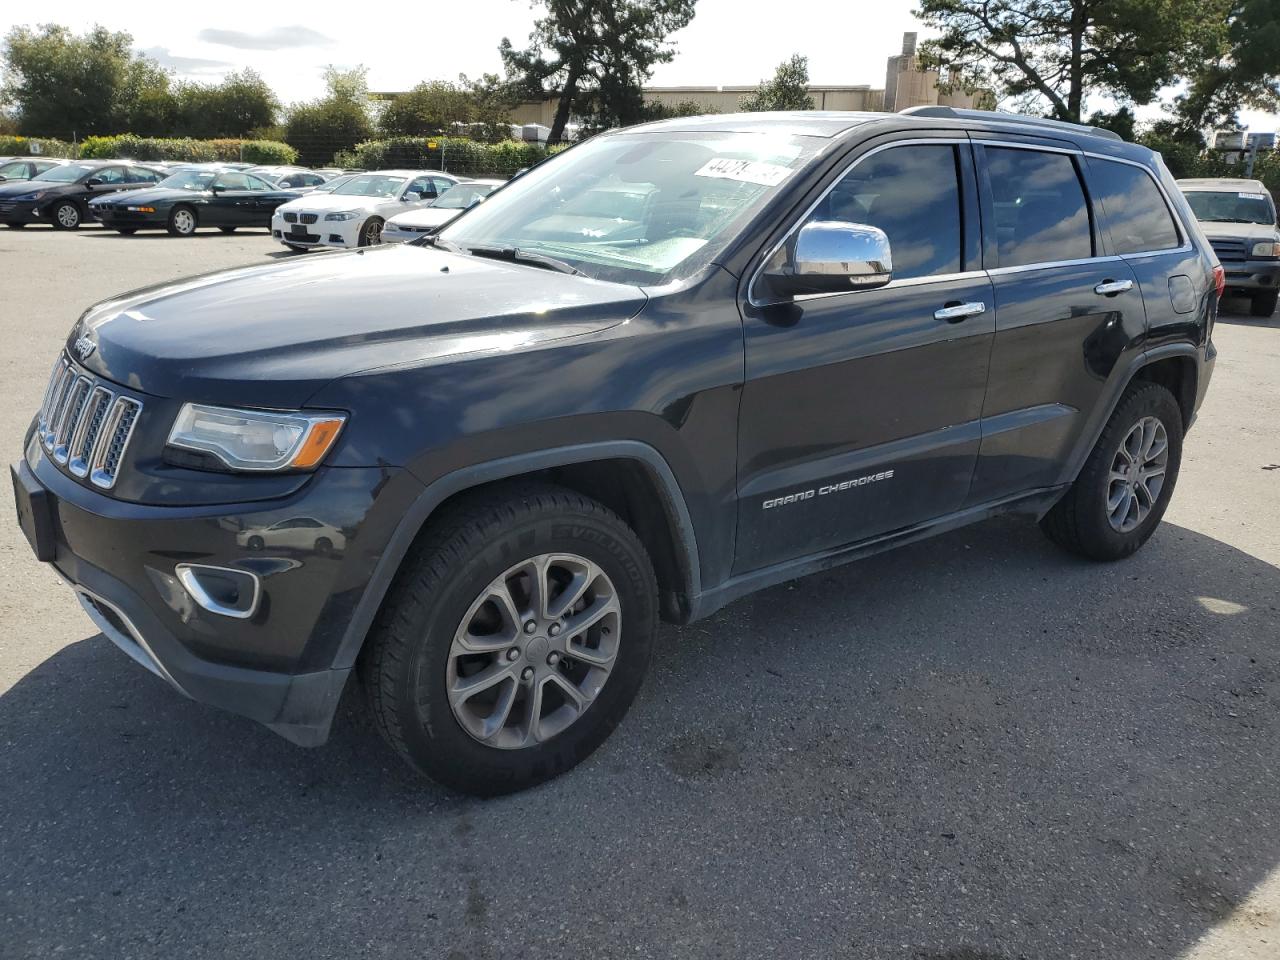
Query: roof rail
point(957, 114)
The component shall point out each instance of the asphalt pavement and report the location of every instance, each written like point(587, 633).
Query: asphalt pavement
point(974, 748)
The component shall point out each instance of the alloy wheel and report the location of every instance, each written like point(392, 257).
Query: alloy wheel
point(1137, 474)
point(184, 221)
point(372, 233)
point(533, 651)
point(68, 216)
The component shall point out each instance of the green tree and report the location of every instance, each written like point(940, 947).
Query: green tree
point(788, 90)
point(491, 101)
point(241, 103)
point(595, 56)
point(336, 122)
point(61, 83)
point(1235, 64)
point(429, 108)
point(1057, 51)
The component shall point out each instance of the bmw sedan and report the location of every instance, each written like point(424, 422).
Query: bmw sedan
point(352, 214)
point(190, 199)
point(61, 195)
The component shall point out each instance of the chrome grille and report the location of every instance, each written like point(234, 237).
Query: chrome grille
point(84, 424)
point(1230, 250)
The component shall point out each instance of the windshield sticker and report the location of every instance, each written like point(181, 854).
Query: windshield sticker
point(1251, 196)
point(744, 171)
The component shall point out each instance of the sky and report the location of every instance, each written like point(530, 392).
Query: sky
point(729, 42)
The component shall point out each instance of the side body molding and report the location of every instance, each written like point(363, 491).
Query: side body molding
point(444, 487)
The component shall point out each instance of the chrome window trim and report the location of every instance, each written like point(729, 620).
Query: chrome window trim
point(800, 220)
point(1048, 264)
point(1016, 145)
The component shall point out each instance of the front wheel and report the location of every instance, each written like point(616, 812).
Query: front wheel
point(66, 216)
point(182, 222)
point(371, 232)
point(1264, 304)
point(514, 640)
point(1121, 494)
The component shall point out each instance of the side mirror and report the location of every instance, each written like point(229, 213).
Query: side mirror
point(215, 189)
point(93, 182)
point(831, 256)
point(411, 197)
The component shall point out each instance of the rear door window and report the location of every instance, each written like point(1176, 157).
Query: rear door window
point(1040, 210)
point(1137, 216)
point(912, 193)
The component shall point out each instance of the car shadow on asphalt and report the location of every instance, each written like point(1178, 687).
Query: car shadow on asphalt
point(973, 747)
point(1235, 310)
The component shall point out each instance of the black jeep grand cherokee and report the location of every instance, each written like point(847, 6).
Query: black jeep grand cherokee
point(670, 366)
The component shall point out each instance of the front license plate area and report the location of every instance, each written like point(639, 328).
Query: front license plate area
point(35, 511)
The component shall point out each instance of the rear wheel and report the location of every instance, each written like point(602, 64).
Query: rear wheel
point(1120, 496)
point(66, 216)
point(1264, 304)
point(514, 639)
point(371, 232)
point(182, 222)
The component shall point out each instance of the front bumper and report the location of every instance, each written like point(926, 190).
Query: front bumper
point(13, 211)
point(338, 234)
point(394, 234)
point(1252, 276)
point(286, 665)
point(113, 218)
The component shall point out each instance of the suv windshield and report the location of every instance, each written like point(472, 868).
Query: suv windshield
point(638, 207)
point(370, 185)
point(1231, 207)
point(66, 173)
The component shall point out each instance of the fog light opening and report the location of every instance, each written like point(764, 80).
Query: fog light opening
point(222, 590)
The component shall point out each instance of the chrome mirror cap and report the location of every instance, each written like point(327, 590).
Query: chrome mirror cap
point(831, 256)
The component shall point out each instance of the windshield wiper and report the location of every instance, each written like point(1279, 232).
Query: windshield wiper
point(516, 255)
point(435, 240)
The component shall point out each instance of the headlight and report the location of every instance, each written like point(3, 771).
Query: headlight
point(1267, 248)
point(255, 439)
point(141, 209)
point(344, 215)
point(31, 196)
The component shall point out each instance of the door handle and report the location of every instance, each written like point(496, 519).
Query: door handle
point(1109, 288)
point(955, 312)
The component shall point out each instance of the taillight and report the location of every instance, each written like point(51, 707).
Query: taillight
point(1220, 280)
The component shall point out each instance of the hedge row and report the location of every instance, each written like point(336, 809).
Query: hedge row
point(192, 151)
point(21, 147)
point(447, 153)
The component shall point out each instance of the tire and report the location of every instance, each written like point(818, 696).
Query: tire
point(256, 542)
point(183, 221)
point(66, 216)
point(412, 655)
point(371, 233)
point(127, 231)
point(1082, 521)
point(227, 229)
point(1263, 304)
point(324, 546)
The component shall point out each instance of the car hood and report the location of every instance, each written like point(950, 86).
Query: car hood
point(426, 217)
point(271, 336)
point(148, 195)
point(18, 188)
point(323, 202)
point(1246, 231)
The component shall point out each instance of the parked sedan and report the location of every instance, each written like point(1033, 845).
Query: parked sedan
point(60, 196)
point(414, 223)
point(352, 215)
point(191, 199)
point(290, 177)
point(24, 168)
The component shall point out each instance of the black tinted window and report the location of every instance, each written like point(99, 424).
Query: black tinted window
point(1136, 213)
point(1039, 206)
point(913, 195)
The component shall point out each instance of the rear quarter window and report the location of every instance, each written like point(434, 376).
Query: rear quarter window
point(1137, 216)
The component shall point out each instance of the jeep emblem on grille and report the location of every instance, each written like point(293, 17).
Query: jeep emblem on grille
point(85, 347)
